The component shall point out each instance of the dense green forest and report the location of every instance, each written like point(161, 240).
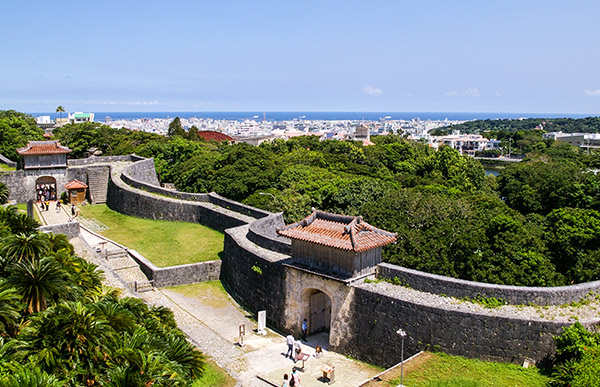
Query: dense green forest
point(537, 224)
point(59, 326)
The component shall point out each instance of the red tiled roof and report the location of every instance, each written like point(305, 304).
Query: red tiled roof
point(43, 148)
point(212, 135)
point(75, 184)
point(341, 232)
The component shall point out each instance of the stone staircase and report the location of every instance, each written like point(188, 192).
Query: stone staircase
point(125, 267)
point(98, 183)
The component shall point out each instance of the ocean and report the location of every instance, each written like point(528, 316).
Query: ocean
point(285, 116)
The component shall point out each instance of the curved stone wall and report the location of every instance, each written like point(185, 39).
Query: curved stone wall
point(262, 232)
point(258, 271)
point(458, 288)
point(128, 200)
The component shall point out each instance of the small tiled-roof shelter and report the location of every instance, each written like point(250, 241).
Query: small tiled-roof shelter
point(337, 244)
point(44, 154)
point(77, 191)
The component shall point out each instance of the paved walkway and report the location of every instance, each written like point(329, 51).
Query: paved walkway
point(213, 325)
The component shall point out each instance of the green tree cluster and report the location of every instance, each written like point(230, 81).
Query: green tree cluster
point(15, 130)
point(59, 326)
point(577, 360)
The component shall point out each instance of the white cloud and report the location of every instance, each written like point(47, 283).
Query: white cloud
point(372, 90)
point(593, 93)
point(470, 92)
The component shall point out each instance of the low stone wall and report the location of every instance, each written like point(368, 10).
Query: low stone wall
point(128, 200)
point(263, 233)
point(202, 197)
point(237, 206)
point(143, 171)
point(101, 159)
point(178, 275)
point(7, 161)
point(377, 315)
point(71, 229)
point(458, 288)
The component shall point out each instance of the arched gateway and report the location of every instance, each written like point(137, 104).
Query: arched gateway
point(329, 252)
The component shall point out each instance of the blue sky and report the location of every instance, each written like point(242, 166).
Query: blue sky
point(446, 56)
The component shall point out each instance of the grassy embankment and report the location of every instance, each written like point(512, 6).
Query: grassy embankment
point(22, 207)
point(441, 370)
point(162, 242)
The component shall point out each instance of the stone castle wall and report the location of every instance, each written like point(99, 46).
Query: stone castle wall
point(458, 288)
point(71, 229)
point(21, 183)
point(377, 314)
point(257, 270)
point(177, 275)
point(129, 200)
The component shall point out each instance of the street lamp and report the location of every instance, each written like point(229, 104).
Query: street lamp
point(402, 335)
point(266, 193)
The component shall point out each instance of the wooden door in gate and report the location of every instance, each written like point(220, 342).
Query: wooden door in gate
point(320, 312)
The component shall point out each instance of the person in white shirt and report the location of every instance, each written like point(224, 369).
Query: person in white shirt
point(290, 343)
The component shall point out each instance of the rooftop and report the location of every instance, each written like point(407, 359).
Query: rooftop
point(214, 135)
point(75, 184)
point(348, 233)
point(42, 148)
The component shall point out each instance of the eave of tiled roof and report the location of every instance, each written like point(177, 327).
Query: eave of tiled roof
point(75, 184)
point(43, 148)
point(338, 231)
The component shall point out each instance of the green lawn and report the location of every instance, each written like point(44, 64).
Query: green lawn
point(6, 168)
point(211, 293)
point(162, 242)
point(441, 370)
point(214, 376)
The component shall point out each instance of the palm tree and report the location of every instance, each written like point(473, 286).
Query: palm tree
point(17, 222)
point(57, 242)
point(37, 281)
point(9, 310)
point(32, 377)
point(4, 192)
point(60, 110)
point(21, 246)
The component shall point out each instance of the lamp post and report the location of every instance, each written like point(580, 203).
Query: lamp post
point(402, 335)
point(266, 193)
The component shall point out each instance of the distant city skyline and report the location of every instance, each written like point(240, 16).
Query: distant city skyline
point(465, 56)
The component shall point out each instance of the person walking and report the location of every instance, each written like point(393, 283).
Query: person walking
point(290, 343)
point(73, 210)
point(57, 206)
point(285, 381)
point(297, 349)
point(295, 380)
point(304, 329)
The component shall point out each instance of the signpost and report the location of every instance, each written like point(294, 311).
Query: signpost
point(262, 322)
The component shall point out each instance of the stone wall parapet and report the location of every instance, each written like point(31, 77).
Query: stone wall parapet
point(263, 233)
point(454, 287)
point(101, 159)
point(177, 275)
point(70, 229)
